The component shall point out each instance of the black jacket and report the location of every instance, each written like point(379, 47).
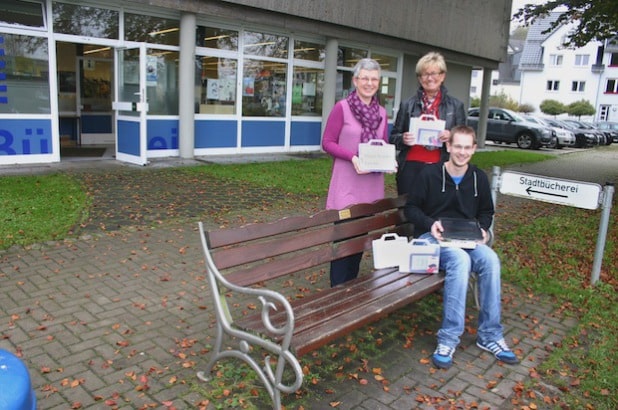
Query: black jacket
point(451, 110)
point(435, 195)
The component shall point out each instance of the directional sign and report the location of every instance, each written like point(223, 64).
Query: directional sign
point(560, 191)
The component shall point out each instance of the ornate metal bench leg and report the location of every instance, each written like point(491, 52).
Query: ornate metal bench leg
point(205, 375)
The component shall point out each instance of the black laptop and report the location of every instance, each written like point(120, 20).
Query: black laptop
point(460, 232)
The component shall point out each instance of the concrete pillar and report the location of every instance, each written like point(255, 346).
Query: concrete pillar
point(330, 78)
point(481, 131)
point(186, 86)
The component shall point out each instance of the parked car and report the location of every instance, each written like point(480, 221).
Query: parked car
point(611, 126)
point(554, 135)
point(586, 135)
point(566, 137)
point(609, 134)
point(507, 126)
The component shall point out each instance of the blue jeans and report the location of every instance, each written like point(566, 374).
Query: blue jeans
point(457, 264)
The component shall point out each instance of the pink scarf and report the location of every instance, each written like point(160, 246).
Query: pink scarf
point(368, 115)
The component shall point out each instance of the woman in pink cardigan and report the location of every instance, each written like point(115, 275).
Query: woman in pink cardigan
point(354, 120)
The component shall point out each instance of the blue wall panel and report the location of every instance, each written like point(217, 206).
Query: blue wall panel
point(128, 137)
point(25, 137)
point(306, 133)
point(215, 134)
point(263, 134)
point(96, 124)
point(162, 134)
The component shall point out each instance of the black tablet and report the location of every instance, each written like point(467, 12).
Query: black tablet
point(461, 229)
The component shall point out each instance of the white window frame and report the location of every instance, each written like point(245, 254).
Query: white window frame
point(553, 85)
point(582, 60)
point(555, 60)
point(578, 86)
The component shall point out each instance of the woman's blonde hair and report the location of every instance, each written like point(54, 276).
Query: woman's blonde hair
point(432, 58)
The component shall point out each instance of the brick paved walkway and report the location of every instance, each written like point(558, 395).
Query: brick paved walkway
point(121, 318)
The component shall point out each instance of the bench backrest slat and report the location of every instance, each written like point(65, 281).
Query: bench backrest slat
point(228, 236)
point(259, 252)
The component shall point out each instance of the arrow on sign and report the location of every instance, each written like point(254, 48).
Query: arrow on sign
point(531, 191)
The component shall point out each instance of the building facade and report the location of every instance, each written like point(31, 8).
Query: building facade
point(550, 70)
point(197, 78)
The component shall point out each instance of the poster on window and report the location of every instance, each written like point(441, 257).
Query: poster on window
point(212, 89)
point(248, 86)
point(151, 71)
point(227, 89)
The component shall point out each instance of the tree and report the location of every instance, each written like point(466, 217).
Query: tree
point(520, 33)
point(579, 108)
point(598, 19)
point(525, 108)
point(502, 100)
point(552, 107)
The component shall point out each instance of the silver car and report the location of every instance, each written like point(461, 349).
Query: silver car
point(566, 137)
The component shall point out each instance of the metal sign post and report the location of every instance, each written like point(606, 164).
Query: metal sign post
point(564, 192)
point(608, 195)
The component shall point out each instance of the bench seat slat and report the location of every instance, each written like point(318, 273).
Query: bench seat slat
point(365, 313)
point(334, 312)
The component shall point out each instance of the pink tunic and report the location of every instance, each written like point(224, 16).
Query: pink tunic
point(341, 139)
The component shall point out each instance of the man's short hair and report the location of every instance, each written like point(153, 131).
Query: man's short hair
point(463, 129)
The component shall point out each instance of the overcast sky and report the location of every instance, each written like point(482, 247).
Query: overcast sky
point(517, 4)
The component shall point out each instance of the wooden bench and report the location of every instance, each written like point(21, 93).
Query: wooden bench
point(247, 262)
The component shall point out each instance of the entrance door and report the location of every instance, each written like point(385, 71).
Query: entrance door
point(130, 104)
point(94, 101)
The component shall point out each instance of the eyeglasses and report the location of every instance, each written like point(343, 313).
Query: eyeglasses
point(428, 75)
point(458, 147)
point(373, 80)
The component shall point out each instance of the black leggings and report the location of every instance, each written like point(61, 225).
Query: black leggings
point(345, 269)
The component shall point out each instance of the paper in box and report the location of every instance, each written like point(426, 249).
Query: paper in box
point(427, 129)
point(389, 250)
point(421, 256)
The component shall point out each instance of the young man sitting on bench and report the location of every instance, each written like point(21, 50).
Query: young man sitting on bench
point(458, 189)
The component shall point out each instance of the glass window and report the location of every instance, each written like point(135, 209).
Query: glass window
point(578, 86)
point(264, 88)
point(216, 81)
point(26, 73)
point(162, 82)
point(149, 29)
point(304, 50)
point(265, 45)
point(85, 21)
point(581, 59)
point(553, 85)
point(387, 63)
point(307, 91)
point(612, 85)
point(344, 84)
point(387, 95)
point(613, 59)
point(22, 12)
point(218, 38)
point(348, 57)
point(555, 59)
